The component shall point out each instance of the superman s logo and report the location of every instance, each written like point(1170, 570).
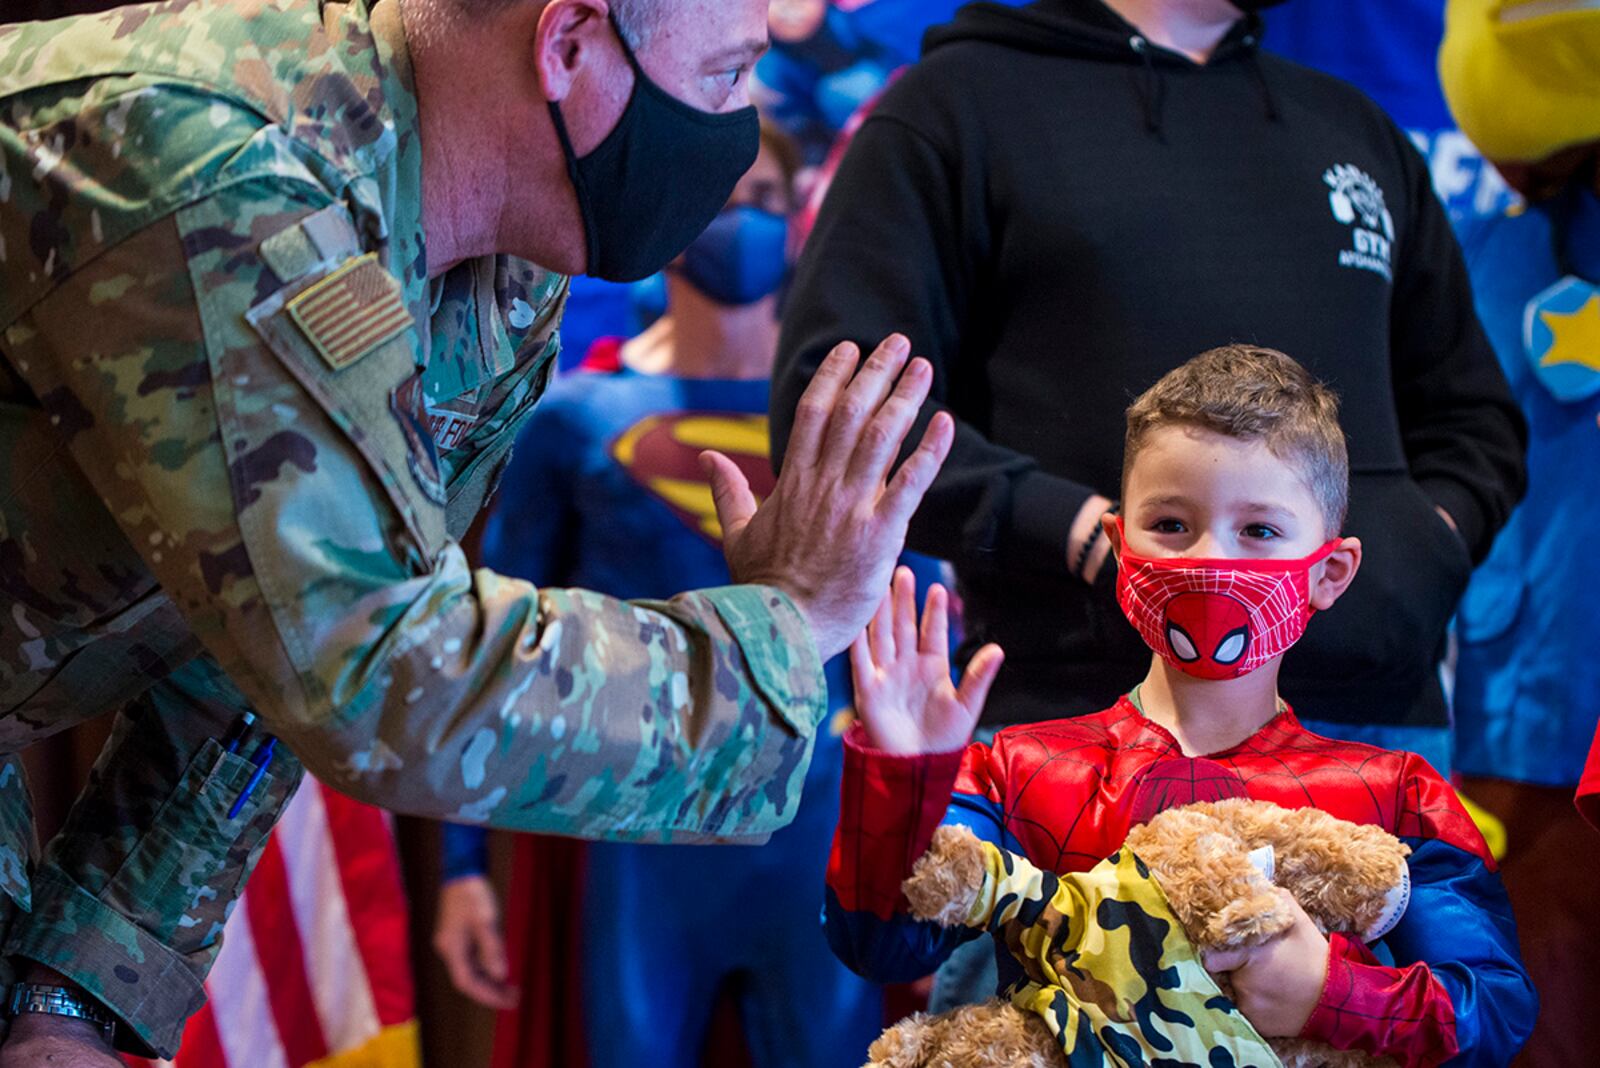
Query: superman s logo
point(660, 453)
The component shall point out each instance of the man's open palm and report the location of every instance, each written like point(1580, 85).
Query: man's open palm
point(835, 523)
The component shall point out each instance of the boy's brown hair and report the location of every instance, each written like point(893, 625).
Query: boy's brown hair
point(1254, 394)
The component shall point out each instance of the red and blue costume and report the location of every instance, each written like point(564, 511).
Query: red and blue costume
point(1445, 985)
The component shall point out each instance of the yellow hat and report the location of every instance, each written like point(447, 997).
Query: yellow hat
point(1523, 76)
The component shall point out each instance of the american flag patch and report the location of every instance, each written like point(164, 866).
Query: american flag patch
point(352, 311)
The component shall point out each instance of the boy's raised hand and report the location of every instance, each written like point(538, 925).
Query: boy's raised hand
point(904, 697)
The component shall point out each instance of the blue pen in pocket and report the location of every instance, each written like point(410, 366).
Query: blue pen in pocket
point(260, 758)
point(238, 732)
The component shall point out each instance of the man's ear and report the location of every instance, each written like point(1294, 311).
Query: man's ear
point(566, 30)
point(1113, 533)
point(1337, 572)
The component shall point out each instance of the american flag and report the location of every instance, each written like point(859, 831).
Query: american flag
point(314, 967)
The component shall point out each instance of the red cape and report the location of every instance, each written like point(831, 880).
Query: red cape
point(1589, 785)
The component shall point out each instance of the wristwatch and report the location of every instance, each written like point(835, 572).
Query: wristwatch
point(59, 1001)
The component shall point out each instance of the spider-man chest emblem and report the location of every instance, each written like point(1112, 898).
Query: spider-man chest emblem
point(1180, 781)
point(1209, 633)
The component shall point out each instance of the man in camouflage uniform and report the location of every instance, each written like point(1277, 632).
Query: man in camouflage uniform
point(237, 464)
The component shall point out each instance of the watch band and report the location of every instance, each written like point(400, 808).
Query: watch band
point(1088, 542)
point(59, 1001)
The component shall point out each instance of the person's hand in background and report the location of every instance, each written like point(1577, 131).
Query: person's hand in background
point(467, 937)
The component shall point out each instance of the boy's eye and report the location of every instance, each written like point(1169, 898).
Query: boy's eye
point(1168, 526)
point(1260, 530)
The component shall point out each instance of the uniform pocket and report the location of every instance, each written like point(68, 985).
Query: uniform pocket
point(327, 476)
point(375, 400)
point(190, 852)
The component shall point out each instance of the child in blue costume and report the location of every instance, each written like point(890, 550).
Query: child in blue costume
point(664, 927)
point(1527, 680)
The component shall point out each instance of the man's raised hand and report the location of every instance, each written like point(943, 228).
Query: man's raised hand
point(904, 697)
point(829, 534)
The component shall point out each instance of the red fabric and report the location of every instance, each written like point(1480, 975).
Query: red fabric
point(604, 356)
point(1068, 788)
point(544, 951)
point(1551, 868)
point(1395, 1012)
point(1589, 785)
point(888, 810)
point(545, 1030)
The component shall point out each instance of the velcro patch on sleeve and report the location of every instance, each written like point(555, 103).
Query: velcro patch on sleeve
point(351, 312)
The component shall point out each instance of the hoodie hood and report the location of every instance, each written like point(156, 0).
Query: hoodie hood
point(1088, 29)
point(1084, 28)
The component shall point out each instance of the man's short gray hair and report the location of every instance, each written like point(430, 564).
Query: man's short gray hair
point(639, 19)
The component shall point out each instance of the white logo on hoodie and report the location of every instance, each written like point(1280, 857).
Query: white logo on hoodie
point(1357, 201)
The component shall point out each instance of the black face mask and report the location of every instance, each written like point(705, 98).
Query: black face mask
point(654, 183)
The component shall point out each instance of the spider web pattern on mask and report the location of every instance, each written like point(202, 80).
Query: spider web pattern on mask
point(1271, 601)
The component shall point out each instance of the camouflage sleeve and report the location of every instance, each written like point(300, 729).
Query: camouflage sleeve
point(131, 895)
point(279, 490)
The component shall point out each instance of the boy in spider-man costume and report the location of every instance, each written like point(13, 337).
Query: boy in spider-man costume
point(1235, 480)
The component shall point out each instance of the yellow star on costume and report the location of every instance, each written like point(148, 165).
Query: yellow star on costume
point(1575, 336)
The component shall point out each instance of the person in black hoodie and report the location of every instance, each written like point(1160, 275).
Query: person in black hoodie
point(1062, 202)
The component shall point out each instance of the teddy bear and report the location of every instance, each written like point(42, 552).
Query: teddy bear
point(1111, 958)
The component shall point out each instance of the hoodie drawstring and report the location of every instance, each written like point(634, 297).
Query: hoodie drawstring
point(1253, 58)
point(1153, 87)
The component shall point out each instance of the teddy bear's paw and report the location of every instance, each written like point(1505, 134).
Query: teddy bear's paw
point(1252, 918)
point(908, 1044)
point(946, 880)
point(997, 1034)
point(990, 1034)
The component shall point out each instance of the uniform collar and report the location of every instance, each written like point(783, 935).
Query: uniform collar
point(402, 194)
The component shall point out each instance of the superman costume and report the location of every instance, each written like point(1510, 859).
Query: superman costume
point(605, 491)
point(1445, 985)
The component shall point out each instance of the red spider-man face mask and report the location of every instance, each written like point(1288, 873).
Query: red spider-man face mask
point(1217, 619)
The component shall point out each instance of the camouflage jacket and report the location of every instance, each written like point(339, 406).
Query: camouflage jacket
point(225, 433)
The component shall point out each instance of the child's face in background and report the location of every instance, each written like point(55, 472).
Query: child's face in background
point(1196, 493)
